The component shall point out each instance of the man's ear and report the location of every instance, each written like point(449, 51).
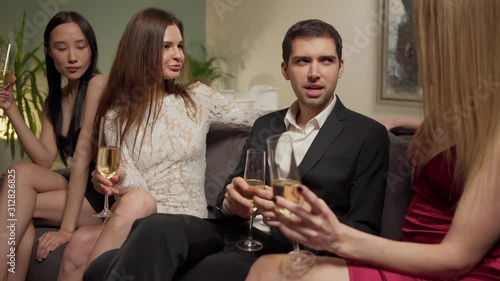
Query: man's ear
point(284, 70)
point(341, 68)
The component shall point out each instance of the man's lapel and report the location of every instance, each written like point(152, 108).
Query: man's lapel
point(277, 125)
point(326, 136)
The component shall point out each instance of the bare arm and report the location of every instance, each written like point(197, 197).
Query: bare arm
point(79, 173)
point(473, 232)
point(82, 156)
point(42, 151)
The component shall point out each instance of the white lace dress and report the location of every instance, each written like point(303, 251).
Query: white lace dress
point(171, 164)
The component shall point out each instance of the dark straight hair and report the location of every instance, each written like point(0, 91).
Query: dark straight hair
point(53, 107)
point(310, 28)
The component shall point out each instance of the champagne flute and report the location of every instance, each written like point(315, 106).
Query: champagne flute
point(285, 180)
point(255, 176)
point(7, 55)
point(108, 156)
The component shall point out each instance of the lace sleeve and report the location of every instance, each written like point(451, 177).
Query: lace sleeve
point(223, 113)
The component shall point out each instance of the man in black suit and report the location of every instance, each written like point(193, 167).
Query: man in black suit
point(342, 157)
point(342, 154)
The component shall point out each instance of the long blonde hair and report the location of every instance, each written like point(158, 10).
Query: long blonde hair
point(459, 69)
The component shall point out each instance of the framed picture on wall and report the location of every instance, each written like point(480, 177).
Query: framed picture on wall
point(399, 71)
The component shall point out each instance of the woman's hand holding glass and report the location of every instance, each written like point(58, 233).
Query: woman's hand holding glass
point(286, 180)
point(109, 155)
point(7, 79)
point(107, 186)
point(7, 100)
point(315, 226)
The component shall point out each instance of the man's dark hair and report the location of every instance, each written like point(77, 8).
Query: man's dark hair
point(310, 28)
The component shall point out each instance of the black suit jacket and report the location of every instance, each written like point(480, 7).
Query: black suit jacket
point(345, 165)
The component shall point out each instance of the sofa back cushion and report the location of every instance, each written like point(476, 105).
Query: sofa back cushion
point(224, 148)
point(399, 190)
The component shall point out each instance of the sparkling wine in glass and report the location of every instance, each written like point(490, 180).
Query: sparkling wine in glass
point(7, 55)
point(255, 175)
point(108, 156)
point(285, 180)
point(287, 188)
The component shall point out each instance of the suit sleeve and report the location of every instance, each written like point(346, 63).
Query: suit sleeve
point(369, 183)
point(238, 172)
point(263, 128)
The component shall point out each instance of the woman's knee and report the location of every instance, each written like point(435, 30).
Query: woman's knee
point(130, 207)
point(138, 202)
point(22, 167)
point(78, 250)
point(28, 176)
point(22, 170)
point(269, 264)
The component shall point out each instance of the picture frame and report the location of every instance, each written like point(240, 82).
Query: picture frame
point(398, 71)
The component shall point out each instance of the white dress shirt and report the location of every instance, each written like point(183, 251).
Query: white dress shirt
point(302, 140)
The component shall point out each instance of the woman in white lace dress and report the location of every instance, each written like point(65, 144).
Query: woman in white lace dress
point(164, 129)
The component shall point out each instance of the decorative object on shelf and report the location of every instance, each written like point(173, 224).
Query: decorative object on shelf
point(29, 97)
point(265, 96)
point(259, 96)
point(399, 71)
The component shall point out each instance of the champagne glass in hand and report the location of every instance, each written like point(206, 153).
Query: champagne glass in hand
point(108, 156)
point(7, 55)
point(255, 175)
point(285, 179)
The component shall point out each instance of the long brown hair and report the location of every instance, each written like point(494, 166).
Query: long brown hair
point(135, 81)
point(459, 64)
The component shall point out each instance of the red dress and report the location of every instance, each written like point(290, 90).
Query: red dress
point(428, 219)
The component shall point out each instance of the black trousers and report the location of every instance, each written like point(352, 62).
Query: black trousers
point(178, 247)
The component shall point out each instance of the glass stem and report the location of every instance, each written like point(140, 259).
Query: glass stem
point(106, 202)
point(250, 234)
point(296, 247)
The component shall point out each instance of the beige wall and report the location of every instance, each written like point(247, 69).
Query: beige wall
point(248, 34)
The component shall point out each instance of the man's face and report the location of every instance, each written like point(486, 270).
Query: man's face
point(313, 70)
